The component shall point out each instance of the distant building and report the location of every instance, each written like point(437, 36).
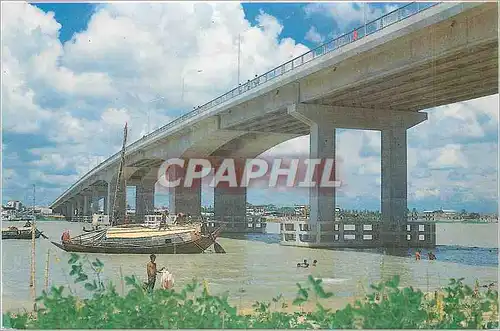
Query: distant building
point(43, 210)
point(17, 205)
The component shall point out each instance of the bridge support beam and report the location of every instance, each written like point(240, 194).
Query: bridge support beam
point(105, 204)
point(230, 206)
point(394, 186)
point(68, 210)
point(86, 205)
point(144, 198)
point(72, 208)
point(230, 202)
point(79, 205)
point(393, 126)
point(95, 201)
point(95, 204)
point(322, 200)
point(321, 146)
point(186, 200)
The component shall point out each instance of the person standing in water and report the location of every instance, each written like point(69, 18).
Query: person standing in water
point(417, 255)
point(151, 270)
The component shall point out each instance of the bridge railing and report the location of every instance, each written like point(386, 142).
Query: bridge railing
point(345, 39)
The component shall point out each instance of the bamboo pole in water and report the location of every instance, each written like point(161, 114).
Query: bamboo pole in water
point(47, 271)
point(33, 233)
point(121, 281)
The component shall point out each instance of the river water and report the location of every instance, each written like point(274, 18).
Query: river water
point(256, 267)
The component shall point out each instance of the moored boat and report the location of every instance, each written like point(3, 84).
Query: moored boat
point(138, 239)
point(157, 237)
point(13, 232)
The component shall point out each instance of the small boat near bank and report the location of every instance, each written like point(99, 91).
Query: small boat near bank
point(13, 232)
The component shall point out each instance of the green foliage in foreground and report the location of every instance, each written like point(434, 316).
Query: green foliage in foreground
point(193, 307)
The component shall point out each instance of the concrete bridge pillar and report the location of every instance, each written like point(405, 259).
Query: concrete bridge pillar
point(144, 198)
point(321, 146)
point(393, 126)
point(230, 205)
point(105, 204)
point(184, 199)
point(120, 205)
point(394, 185)
point(95, 201)
point(322, 199)
point(79, 205)
point(67, 210)
point(95, 204)
point(72, 208)
point(230, 202)
point(86, 205)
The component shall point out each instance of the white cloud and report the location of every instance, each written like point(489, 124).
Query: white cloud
point(449, 156)
point(42, 177)
point(78, 95)
point(346, 14)
point(464, 122)
point(314, 36)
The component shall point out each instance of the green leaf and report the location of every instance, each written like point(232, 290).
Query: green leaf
point(6, 322)
point(74, 257)
point(81, 278)
point(130, 280)
point(90, 286)
point(298, 301)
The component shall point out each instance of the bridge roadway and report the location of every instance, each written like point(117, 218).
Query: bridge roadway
point(379, 76)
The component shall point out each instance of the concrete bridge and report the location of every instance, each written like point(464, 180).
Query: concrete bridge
point(378, 77)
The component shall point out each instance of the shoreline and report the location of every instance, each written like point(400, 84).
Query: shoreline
point(243, 308)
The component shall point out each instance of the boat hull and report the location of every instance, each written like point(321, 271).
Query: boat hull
point(112, 247)
point(19, 234)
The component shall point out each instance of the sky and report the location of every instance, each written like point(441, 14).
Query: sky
point(73, 74)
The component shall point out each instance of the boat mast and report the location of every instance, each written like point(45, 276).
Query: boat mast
point(115, 213)
point(33, 233)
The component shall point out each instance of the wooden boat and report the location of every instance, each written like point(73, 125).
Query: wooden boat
point(137, 239)
point(13, 232)
point(141, 238)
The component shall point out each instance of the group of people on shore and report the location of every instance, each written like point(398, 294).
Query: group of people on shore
point(430, 255)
